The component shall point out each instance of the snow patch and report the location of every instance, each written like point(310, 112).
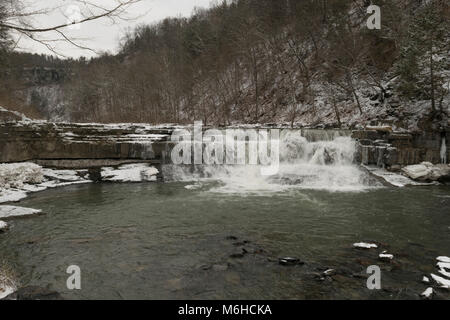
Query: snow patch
point(130, 173)
point(363, 245)
point(13, 211)
point(3, 225)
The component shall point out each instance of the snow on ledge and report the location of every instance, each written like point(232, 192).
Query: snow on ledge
point(130, 173)
point(12, 211)
point(395, 179)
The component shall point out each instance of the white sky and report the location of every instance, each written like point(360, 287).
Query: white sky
point(102, 35)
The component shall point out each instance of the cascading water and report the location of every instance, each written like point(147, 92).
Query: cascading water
point(305, 163)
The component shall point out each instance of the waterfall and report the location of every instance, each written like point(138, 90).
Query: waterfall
point(320, 160)
point(444, 151)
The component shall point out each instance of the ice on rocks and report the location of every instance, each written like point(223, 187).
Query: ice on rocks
point(13, 211)
point(12, 195)
point(130, 173)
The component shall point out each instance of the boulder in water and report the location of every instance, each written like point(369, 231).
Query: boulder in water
point(288, 261)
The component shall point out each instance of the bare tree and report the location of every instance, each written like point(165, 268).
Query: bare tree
point(18, 19)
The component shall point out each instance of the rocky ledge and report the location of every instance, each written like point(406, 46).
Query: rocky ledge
point(100, 143)
point(383, 147)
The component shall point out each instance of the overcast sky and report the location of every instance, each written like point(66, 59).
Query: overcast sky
point(102, 35)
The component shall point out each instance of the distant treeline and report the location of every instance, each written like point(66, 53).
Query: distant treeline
point(253, 60)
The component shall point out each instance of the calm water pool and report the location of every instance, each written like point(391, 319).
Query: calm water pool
point(164, 241)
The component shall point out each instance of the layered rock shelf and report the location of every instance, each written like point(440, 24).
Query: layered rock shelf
point(81, 145)
point(394, 150)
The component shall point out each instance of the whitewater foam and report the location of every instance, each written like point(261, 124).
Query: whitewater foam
point(304, 164)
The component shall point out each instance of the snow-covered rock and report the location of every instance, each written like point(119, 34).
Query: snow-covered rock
point(363, 245)
point(425, 279)
point(130, 173)
point(3, 226)
point(394, 179)
point(15, 175)
point(386, 256)
point(13, 211)
point(62, 175)
point(418, 171)
point(12, 195)
point(427, 171)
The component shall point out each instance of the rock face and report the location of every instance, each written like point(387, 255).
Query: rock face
point(391, 150)
point(25, 141)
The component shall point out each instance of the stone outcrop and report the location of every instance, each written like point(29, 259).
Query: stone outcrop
point(394, 150)
point(81, 145)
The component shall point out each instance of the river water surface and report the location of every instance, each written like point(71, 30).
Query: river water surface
point(218, 232)
point(158, 241)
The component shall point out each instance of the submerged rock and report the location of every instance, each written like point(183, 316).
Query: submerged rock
point(290, 261)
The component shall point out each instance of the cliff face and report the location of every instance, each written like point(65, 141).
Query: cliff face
point(23, 141)
point(391, 150)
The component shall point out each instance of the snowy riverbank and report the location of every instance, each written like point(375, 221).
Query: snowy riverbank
point(19, 179)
